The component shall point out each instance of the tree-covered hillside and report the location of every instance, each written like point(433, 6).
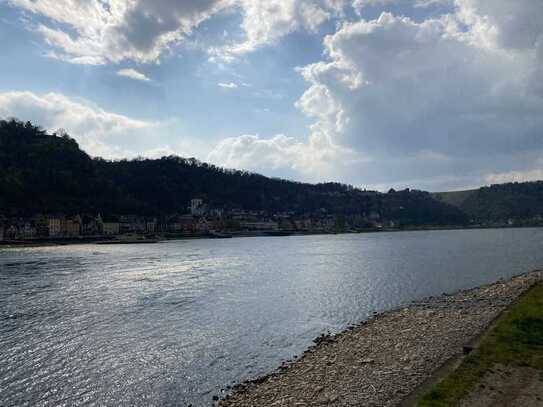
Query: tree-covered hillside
point(42, 173)
point(517, 202)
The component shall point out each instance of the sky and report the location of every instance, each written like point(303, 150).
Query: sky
point(429, 94)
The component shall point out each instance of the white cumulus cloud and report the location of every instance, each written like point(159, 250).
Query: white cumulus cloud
point(99, 132)
point(253, 152)
point(392, 88)
point(456, 97)
point(282, 155)
point(227, 85)
point(133, 74)
point(111, 31)
point(446, 101)
point(267, 21)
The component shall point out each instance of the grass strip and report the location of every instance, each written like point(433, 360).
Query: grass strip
point(515, 340)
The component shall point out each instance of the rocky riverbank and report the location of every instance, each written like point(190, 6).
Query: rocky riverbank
point(382, 361)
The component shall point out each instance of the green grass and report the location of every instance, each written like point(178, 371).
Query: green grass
point(516, 340)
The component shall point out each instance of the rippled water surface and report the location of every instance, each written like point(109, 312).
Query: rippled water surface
point(173, 323)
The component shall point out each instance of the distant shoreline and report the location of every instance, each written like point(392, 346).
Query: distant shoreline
point(80, 241)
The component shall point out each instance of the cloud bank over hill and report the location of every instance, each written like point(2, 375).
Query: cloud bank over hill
point(90, 124)
point(457, 96)
point(404, 96)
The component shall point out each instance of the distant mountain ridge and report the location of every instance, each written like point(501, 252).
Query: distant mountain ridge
point(516, 203)
point(48, 173)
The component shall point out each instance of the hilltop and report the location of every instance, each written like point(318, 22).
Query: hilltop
point(49, 173)
point(518, 203)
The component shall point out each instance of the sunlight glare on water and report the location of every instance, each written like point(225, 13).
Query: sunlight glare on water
point(173, 323)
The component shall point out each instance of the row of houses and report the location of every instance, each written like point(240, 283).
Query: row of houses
point(200, 219)
point(61, 226)
point(66, 227)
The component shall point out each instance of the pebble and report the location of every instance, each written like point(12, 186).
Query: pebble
point(381, 361)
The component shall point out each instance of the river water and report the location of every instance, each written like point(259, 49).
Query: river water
point(173, 323)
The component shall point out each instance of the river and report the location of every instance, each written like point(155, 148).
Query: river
point(173, 323)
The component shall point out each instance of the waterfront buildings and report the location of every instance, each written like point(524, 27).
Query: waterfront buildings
point(199, 219)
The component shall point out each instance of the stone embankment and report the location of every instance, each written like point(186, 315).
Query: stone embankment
point(380, 362)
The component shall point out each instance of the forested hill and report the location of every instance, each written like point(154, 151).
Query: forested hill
point(46, 173)
point(517, 202)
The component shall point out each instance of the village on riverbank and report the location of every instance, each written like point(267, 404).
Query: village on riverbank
point(78, 199)
point(199, 220)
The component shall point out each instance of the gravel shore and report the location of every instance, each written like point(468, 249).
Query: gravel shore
point(383, 360)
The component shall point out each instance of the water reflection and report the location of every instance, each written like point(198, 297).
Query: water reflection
point(170, 324)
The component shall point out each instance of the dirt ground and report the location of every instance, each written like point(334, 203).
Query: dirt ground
point(506, 386)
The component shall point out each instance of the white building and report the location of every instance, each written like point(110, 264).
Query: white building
point(55, 227)
point(150, 226)
point(197, 207)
